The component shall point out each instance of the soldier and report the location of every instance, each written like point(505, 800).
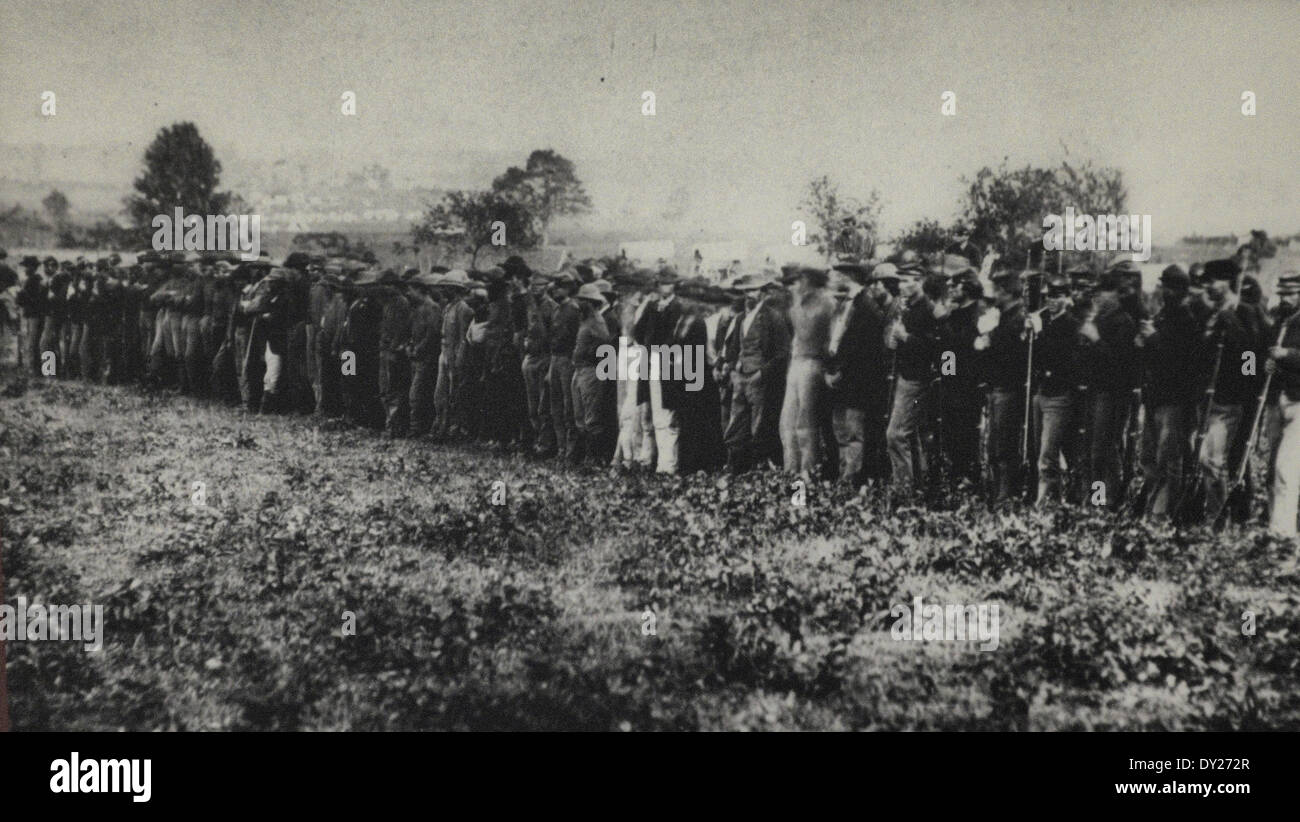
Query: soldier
point(1284, 434)
point(961, 399)
point(913, 336)
point(855, 364)
point(1231, 331)
point(330, 338)
point(54, 324)
point(394, 367)
point(455, 322)
point(563, 336)
point(1112, 371)
point(423, 349)
point(33, 300)
point(1007, 363)
point(761, 339)
point(1056, 364)
point(1169, 343)
point(193, 351)
point(539, 315)
point(359, 351)
point(590, 407)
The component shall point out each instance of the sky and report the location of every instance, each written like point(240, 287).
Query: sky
point(752, 99)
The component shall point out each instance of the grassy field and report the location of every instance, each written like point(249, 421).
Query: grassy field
point(230, 615)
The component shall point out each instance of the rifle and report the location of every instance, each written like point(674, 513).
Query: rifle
point(1239, 476)
point(1031, 305)
point(1192, 489)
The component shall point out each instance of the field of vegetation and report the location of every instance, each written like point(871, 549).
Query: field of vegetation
point(532, 614)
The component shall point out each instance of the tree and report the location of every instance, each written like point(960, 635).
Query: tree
point(180, 170)
point(546, 187)
point(56, 205)
point(1005, 208)
point(925, 237)
point(845, 227)
point(469, 220)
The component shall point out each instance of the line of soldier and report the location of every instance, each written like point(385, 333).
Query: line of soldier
point(907, 377)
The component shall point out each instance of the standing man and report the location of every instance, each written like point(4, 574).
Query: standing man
point(423, 349)
point(914, 338)
point(1240, 329)
point(394, 367)
point(855, 367)
point(1168, 343)
point(658, 329)
point(811, 311)
point(33, 300)
point(455, 322)
point(961, 400)
point(1113, 370)
point(1056, 365)
point(559, 376)
point(1007, 363)
point(539, 315)
point(762, 344)
point(1284, 435)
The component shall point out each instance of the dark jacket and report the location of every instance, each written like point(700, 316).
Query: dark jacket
point(1008, 352)
point(860, 360)
point(916, 354)
point(1056, 355)
point(1167, 355)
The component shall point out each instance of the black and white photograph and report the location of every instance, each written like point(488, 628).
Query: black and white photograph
point(629, 366)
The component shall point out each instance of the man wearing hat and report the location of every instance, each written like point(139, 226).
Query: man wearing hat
point(1057, 350)
point(656, 327)
point(563, 335)
point(423, 349)
point(456, 318)
point(1230, 332)
point(1284, 412)
point(811, 311)
point(961, 398)
point(760, 338)
point(858, 379)
point(539, 315)
point(1112, 369)
point(394, 367)
point(913, 336)
point(1006, 361)
point(1168, 346)
point(591, 388)
point(32, 299)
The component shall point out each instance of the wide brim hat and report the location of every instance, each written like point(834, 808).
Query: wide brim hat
point(604, 286)
point(667, 275)
point(884, 271)
point(457, 278)
point(591, 293)
point(1288, 284)
point(30, 261)
point(853, 269)
point(565, 277)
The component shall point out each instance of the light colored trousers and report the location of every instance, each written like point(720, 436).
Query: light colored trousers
point(636, 441)
point(1286, 470)
point(667, 429)
point(799, 424)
